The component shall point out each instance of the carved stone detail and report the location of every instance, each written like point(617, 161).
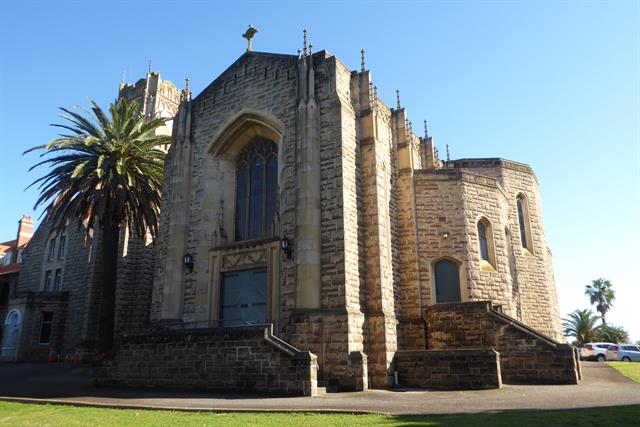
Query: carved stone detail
point(248, 258)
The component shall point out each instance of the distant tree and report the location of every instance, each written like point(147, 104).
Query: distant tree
point(601, 293)
point(581, 325)
point(614, 334)
point(107, 171)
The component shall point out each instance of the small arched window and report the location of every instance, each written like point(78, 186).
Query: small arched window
point(523, 222)
point(482, 235)
point(485, 242)
point(256, 190)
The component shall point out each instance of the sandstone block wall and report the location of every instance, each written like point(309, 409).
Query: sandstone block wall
point(241, 359)
point(135, 283)
point(199, 198)
point(75, 320)
point(452, 200)
point(477, 368)
point(528, 276)
point(526, 356)
point(34, 305)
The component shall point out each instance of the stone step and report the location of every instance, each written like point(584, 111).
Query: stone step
point(326, 387)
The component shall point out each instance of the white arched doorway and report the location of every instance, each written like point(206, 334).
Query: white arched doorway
point(12, 327)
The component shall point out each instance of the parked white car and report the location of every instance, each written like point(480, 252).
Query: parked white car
point(624, 352)
point(595, 351)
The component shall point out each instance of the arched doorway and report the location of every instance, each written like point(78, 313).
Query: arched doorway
point(447, 278)
point(12, 325)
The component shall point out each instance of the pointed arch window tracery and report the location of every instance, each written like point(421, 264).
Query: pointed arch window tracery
point(256, 190)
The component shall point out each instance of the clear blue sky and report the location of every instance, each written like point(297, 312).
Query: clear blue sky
point(552, 84)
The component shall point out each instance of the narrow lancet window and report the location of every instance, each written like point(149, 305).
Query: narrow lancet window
point(272, 194)
point(241, 201)
point(485, 245)
point(523, 222)
point(257, 194)
point(482, 235)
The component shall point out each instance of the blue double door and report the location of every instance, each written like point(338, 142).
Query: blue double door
point(243, 297)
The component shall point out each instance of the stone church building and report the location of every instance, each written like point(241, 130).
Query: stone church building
point(309, 236)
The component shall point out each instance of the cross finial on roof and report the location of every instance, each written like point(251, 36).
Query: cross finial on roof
point(251, 31)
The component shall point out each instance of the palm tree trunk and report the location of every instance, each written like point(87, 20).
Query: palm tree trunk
point(110, 238)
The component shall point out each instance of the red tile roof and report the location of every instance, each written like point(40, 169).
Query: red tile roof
point(10, 246)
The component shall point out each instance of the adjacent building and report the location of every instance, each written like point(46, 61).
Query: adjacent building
point(55, 304)
point(11, 259)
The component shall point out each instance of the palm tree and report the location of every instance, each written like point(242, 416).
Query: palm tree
point(581, 324)
point(106, 171)
point(601, 294)
point(614, 334)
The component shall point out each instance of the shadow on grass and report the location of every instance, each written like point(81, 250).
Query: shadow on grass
point(604, 416)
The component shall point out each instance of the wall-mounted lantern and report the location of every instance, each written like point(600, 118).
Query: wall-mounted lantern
point(188, 262)
point(286, 247)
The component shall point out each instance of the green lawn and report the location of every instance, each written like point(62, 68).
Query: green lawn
point(628, 369)
point(18, 414)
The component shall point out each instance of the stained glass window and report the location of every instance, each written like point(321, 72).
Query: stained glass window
point(257, 197)
point(272, 194)
point(256, 190)
point(241, 201)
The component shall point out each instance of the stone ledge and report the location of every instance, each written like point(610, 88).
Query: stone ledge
point(246, 359)
point(526, 355)
point(456, 369)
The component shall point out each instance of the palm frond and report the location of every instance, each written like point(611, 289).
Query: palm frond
point(107, 169)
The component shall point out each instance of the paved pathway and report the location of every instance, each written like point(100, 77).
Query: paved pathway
point(601, 386)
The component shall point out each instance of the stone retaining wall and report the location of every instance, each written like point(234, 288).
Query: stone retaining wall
point(526, 356)
point(241, 359)
point(448, 369)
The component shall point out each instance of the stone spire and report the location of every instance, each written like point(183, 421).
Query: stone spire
point(398, 99)
point(307, 232)
point(150, 66)
point(304, 42)
point(362, 67)
point(448, 156)
point(186, 93)
point(426, 133)
point(371, 101)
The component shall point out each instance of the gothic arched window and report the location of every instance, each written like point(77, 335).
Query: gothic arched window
point(485, 242)
point(256, 190)
point(523, 222)
point(482, 236)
